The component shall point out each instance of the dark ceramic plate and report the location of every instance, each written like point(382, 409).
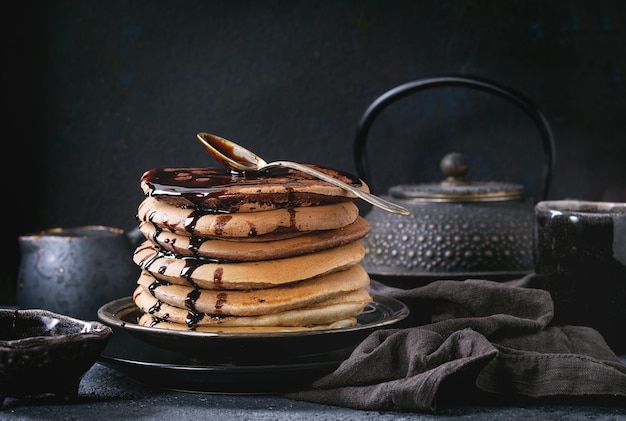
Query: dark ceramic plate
point(234, 362)
point(254, 349)
point(162, 369)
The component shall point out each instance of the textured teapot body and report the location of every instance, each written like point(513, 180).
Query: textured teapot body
point(457, 228)
point(450, 239)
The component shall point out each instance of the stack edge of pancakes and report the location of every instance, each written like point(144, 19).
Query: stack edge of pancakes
point(235, 252)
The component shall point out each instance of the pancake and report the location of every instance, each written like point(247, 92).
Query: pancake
point(339, 307)
point(208, 274)
point(258, 301)
point(234, 250)
point(220, 190)
point(148, 320)
point(271, 251)
point(192, 222)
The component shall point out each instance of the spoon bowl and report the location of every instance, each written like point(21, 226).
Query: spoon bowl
point(237, 158)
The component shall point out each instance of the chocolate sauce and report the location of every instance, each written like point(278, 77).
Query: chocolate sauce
point(225, 148)
point(157, 232)
point(145, 264)
point(156, 307)
point(154, 285)
point(193, 315)
point(222, 298)
point(292, 217)
point(191, 298)
point(252, 232)
point(195, 243)
point(192, 220)
point(196, 182)
point(191, 264)
point(221, 223)
point(217, 275)
point(196, 185)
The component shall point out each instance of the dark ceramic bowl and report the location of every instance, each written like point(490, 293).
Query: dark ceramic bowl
point(44, 352)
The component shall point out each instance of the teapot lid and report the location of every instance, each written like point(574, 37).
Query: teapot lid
point(455, 188)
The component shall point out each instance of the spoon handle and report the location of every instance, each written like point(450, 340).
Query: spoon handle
point(368, 197)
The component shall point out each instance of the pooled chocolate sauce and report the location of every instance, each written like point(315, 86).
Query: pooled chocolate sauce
point(204, 187)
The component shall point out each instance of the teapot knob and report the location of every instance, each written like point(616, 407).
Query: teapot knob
point(454, 166)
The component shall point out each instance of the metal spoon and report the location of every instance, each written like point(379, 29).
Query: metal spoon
point(236, 157)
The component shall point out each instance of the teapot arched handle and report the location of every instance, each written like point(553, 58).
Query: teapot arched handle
point(376, 107)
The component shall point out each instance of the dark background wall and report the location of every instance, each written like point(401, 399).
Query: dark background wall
point(97, 92)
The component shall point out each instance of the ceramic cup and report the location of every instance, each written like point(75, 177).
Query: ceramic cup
point(580, 255)
point(74, 271)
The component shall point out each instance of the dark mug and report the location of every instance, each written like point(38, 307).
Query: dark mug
point(580, 255)
point(74, 271)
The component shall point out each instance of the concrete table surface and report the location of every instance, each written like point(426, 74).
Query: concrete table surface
point(106, 393)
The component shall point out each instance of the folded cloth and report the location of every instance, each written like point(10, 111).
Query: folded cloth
point(485, 342)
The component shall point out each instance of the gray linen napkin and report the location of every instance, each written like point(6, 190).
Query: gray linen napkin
point(486, 342)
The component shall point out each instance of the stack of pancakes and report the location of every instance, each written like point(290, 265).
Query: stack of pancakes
point(236, 252)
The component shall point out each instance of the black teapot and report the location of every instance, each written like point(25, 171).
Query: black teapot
point(457, 229)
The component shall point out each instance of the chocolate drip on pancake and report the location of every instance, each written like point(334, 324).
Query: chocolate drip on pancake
point(218, 190)
point(193, 316)
point(281, 223)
